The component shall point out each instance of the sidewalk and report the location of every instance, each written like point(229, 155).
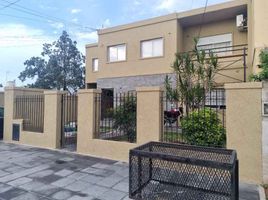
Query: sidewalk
point(34, 173)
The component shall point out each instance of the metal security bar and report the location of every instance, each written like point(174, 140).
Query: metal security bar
point(115, 116)
point(30, 108)
point(232, 62)
point(69, 107)
point(174, 112)
point(172, 171)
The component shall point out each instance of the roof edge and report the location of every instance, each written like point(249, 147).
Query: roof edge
point(92, 45)
point(172, 16)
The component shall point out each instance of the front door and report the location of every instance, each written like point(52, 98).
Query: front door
point(107, 100)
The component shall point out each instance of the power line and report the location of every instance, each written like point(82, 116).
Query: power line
point(44, 16)
point(21, 17)
point(10, 4)
point(203, 17)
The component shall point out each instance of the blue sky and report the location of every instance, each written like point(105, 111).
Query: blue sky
point(27, 24)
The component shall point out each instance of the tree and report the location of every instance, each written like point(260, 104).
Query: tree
point(263, 75)
point(59, 67)
point(194, 72)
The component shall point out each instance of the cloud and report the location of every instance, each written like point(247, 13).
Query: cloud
point(21, 35)
point(92, 36)
point(74, 20)
point(19, 42)
point(169, 5)
point(107, 23)
point(75, 11)
point(57, 25)
point(137, 2)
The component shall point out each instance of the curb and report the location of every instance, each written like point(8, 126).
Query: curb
point(262, 193)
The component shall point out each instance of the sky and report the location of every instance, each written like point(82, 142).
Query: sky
point(27, 24)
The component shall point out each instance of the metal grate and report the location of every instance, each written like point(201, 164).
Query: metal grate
point(69, 107)
point(115, 116)
point(173, 112)
point(30, 108)
point(172, 171)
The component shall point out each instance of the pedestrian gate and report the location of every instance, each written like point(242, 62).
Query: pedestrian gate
point(69, 106)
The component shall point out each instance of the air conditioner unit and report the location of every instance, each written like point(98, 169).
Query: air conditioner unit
point(241, 22)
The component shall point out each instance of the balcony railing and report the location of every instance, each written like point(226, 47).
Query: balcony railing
point(231, 57)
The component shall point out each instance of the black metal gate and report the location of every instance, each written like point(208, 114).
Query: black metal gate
point(1, 123)
point(206, 116)
point(69, 106)
point(1, 127)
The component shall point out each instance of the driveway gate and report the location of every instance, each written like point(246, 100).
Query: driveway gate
point(69, 108)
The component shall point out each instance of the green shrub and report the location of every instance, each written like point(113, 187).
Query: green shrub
point(125, 118)
point(204, 128)
point(263, 74)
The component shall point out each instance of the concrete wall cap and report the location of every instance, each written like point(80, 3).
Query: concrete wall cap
point(53, 92)
point(149, 89)
point(24, 89)
point(248, 85)
point(88, 91)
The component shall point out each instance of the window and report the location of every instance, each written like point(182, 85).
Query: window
point(117, 53)
point(152, 48)
point(95, 64)
point(222, 43)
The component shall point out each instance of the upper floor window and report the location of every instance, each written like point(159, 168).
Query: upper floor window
point(220, 44)
point(117, 53)
point(152, 48)
point(95, 64)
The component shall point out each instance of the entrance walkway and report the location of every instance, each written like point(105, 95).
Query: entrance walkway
point(28, 173)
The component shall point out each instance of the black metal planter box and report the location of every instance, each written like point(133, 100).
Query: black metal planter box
point(180, 172)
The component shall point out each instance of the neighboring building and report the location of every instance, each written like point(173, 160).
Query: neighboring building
point(141, 53)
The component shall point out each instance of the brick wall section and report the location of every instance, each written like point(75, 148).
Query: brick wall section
point(124, 84)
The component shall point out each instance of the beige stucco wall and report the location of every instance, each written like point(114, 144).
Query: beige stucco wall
point(265, 135)
point(148, 125)
point(2, 99)
point(211, 29)
point(244, 128)
point(134, 65)
point(260, 29)
point(222, 27)
point(177, 38)
point(50, 138)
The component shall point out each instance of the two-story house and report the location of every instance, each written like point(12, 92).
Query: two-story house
point(141, 53)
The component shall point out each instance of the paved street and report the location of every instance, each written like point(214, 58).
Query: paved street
point(28, 173)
